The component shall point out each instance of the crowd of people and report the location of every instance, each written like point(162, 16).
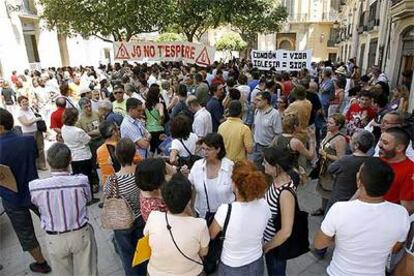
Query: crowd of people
point(209, 162)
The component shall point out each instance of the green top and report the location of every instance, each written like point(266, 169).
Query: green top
point(154, 123)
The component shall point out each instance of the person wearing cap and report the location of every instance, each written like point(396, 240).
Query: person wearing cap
point(119, 105)
point(237, 136)
point(215, 106)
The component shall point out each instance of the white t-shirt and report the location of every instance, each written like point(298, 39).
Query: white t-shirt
point(190, 143)
point(243, 240)
point(245, 91)
point(364, 235)
point(77, 140)
point(29, 115)
point(202, 124)
point(190, 234)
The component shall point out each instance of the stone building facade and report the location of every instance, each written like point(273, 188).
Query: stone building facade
point(378, 32)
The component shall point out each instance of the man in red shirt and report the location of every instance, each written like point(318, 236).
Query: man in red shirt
point(392, 144)
point(56, 121)
point(360, 114)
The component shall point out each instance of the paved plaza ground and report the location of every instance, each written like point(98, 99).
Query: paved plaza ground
point(15, 262)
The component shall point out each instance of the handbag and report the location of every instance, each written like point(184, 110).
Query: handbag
point(189, 160)
point(41, 124)
point(142, 251)
point(215, 247)
point(298, 242)
point(116, 212)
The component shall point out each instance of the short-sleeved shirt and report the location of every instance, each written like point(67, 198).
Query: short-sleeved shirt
point(191, 235)
point(190, 144)
point(56, 120)
point(409, 244)
point(77, 140)
point(29, 115)
point(119, 107)
point(19, 153)
point(216, 110)
point(237, 137)
point(358, 117)
point(243, 240)
point(202, 124)
point(88, 123)
point(267, 124)
point(134, 130)
point(402, 188)
point(364, 235)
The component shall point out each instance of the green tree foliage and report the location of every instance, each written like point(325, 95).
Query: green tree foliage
point(101, 18)
point(262, 16)
point(230, 42)
point(194, 17)
point(169, 37)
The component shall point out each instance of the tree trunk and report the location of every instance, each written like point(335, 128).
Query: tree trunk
point(190, 37)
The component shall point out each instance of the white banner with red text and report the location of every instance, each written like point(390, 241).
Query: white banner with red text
point(187, 52)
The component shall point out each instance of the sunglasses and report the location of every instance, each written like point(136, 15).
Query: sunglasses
point(118, 92)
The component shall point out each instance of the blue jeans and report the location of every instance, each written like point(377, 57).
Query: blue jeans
point(255, 268)
point(274, 266)
point(126, 242)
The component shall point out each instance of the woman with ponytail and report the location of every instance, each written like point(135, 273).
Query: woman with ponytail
point(280, 197)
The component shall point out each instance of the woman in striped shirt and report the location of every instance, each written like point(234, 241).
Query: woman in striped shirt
point(126, 240)
point(278, 164)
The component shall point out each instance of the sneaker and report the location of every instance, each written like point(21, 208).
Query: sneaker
point(93, 201)
point(40, 268)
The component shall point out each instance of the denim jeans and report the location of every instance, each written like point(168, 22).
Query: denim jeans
point(126, 242)
point(274, 266)
point(255, 268)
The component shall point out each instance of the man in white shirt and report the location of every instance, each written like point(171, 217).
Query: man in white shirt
point(202, 123)
point(367, 229)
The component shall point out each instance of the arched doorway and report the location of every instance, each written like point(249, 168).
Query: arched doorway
point(286, 45)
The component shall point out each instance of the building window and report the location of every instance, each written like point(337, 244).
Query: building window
point(361, 55)
point(372, 52)
point(31, 48)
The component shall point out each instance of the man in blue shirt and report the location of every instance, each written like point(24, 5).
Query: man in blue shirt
point(19, 153)
point(215, 107)
point(327, 89)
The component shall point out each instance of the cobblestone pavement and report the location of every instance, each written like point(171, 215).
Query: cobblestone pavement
point(16, 262)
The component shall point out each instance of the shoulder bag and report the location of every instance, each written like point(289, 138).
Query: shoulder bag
point(189, 160)
point(216, 246)
point(116, 212)
point(298, 242)
point(41, 124)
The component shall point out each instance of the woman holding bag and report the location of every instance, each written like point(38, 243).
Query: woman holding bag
point(248, 216)
point(282, 239)
point(126, 239)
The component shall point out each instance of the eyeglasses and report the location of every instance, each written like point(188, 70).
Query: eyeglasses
point(118, 92)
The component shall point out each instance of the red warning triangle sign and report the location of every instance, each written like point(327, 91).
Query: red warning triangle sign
point(122, 52)
point(203, 58)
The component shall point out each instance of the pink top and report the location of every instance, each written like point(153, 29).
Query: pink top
point(148, 204)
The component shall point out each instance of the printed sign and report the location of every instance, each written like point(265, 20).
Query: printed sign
point(282, 60)
point(168, 51)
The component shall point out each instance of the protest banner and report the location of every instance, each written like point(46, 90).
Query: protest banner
point(282, 60)
point(187, 52)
